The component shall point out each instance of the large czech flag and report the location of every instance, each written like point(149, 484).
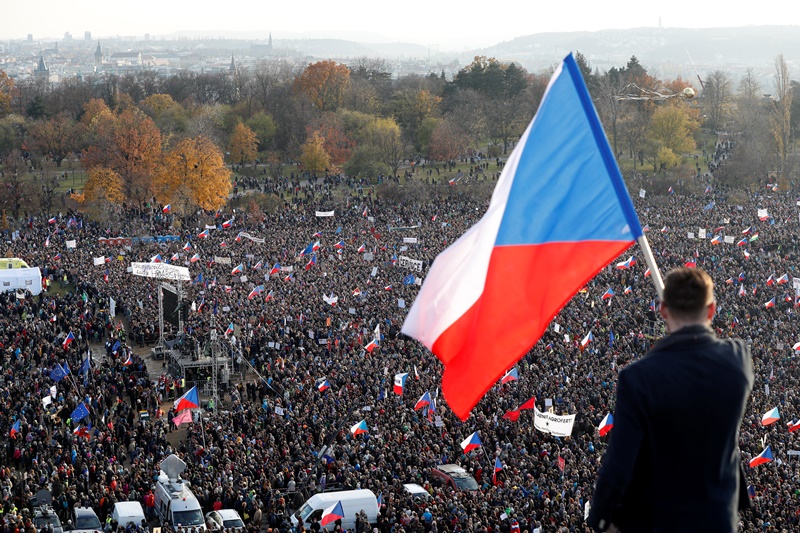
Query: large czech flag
point(400, 383)
point(560, 213)
point(424, 401)
point(67, 340)
point(606, 425)
point(358, 429)
point(332, 514)
point(498, 466)
point(511, 375)
point(770, 417)
point(763, 457)
point(374, 343)
point(471, 442)
point(189, 400)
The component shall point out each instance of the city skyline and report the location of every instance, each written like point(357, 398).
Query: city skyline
point(424, 23)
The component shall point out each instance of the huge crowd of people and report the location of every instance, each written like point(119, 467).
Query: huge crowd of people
point(278, 438)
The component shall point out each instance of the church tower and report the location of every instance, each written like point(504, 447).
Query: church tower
point(42, 72)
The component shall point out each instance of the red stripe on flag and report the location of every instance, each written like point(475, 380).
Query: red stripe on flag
point(508, 319)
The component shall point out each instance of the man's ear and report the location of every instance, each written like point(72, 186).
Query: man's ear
point(712, 310)
point(662, 310)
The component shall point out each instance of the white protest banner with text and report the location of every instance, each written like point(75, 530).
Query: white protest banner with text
point(411, 264)
point(556, 425)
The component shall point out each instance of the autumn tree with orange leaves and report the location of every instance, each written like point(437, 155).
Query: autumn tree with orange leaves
point(243, 145)
point(56, 137)
point(448, 142)
point(6, 93)
point(193, 174)
point(103, 185)
point(338, 145)
point(324, 83)
point(129, 144)
point(102, 194)
point(314, 158)
point(92, 109)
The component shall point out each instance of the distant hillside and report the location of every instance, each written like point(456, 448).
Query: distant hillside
point(358, 44)
point(710, 48)
point(337, 48)
point(663, 51)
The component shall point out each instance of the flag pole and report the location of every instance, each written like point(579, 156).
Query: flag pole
point(202, 426)
point(72, 382)
point(491, 465)
point(651, 264)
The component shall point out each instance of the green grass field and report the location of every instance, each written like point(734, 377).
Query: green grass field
point(71, 175)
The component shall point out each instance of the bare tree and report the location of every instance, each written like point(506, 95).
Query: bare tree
point(749, 87)
point(268, 76)
point(634, 122)
point(717, 92)
point(782, 111)
point(15, 189)
point(507, 118)
point(754, 151)
point(466, 114)
point(243, 90)
point(610, 107)
point(362, 96)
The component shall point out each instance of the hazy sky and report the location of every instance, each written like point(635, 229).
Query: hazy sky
point(447, 24)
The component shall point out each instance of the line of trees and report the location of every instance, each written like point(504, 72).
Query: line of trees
point(764, 120)
point(141, 135)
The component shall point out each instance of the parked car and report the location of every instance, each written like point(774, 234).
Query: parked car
point(223, 519)
point(417, 492)
point(455, 477)
point(84, 520)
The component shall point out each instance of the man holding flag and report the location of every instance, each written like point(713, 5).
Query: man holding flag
point(559, 214)
point(498, 466)
point(661, 444)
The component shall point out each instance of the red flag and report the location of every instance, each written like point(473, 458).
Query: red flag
point(561, 463)
point(512, 415)
point(530, 404)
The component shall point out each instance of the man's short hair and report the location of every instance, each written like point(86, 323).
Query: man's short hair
point(688, 292)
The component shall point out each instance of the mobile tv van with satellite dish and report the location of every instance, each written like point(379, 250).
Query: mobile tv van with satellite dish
point(175, 503)
point(16, 275)
point(44, 517)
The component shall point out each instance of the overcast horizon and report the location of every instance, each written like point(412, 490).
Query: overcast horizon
point(423, 23)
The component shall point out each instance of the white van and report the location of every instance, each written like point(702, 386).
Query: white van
point(127, 512)
point(13, 277)
point(175, 503)
point(417, 492)
point(353, 501)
